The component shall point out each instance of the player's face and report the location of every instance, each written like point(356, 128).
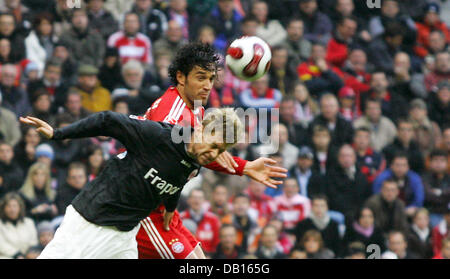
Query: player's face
point(197, 84)
point(207, 150)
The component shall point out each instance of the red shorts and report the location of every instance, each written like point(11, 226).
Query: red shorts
point(156, 243)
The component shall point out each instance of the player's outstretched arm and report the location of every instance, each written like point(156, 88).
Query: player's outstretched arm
point(264, 171)
point(41, 126)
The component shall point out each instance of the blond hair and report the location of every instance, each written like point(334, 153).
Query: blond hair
point(227, 121)
point(28, 187)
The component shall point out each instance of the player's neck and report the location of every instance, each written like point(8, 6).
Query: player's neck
point(189, 103)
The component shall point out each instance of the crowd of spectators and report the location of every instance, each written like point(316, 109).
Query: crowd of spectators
point(364, 120)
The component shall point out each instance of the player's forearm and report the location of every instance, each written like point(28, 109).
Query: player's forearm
point(97, 124)
point(239, 169)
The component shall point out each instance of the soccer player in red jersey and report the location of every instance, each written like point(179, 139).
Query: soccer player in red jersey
point(193, 72)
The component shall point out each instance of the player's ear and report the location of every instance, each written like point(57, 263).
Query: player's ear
point(181, 78)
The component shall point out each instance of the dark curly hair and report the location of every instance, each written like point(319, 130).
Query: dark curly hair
point(191, 55)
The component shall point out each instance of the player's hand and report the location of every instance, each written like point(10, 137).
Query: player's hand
point(167, 219)
point(226, 161)
point(43, 127)
point(263, 171)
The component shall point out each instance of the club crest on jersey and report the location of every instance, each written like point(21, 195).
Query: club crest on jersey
point(177, 246)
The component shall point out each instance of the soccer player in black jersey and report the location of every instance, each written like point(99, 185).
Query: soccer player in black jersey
point(103, 219)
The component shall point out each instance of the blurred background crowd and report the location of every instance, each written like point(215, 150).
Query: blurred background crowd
point(364, 123)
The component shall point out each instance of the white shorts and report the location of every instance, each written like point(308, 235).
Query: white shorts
point(77, 238)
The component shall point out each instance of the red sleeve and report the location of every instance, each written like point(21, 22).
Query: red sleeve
point(239, 170)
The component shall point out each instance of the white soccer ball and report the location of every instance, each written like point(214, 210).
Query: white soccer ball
point(248, 58)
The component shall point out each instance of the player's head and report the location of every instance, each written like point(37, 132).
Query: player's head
point(194, 70)
point(220, 130)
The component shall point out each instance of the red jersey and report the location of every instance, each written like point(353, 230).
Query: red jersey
point(207, 230)
point(138, 47)
point(171, 108)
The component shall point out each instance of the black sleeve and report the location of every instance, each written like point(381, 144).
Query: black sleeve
point(130, 132)
point(172, 202)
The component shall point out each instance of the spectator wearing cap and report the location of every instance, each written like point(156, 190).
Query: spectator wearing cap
point(341, 129)
point(347, 186)
point(297, 131)
point(299, 48)
point(9, 126)
point(94, 97)
point(427, 133)
point(349, 109)
point(430, 21)
point(440, 71)
point(131, 43)
point(41, 40)
point(140, 93)
point(404, 81)
point(342, 40)
point(14, 97)
point(370, 162)
point(436, 181)
point(46, 232)
point(318, 76)
point(85, 44)
point(441, 231)
point(100, 19)
point(270, 30)
point(310, 181)
point(318, 25)
point(44, 153)
point(439, 104)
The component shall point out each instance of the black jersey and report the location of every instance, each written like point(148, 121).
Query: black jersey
point(153, 171)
